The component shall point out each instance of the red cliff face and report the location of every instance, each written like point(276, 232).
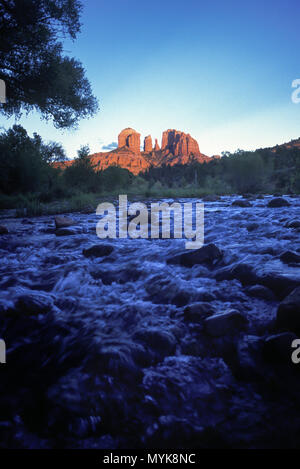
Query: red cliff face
point(179, 143)
point(131, 139)
point(123, 157)
point(177, 148)
point(148, 144)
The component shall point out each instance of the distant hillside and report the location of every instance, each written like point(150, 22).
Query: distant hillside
point(288, 146)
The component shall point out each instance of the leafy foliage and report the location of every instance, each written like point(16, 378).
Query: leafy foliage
point(37, 74)
point(29, 177)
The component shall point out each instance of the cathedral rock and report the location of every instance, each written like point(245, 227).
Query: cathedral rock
point(131, 139)
point(176, 148)
point(148, 144)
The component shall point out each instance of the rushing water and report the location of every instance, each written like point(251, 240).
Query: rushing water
point(102, 352)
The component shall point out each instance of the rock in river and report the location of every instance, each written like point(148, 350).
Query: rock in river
point(290, 257)
point(3, 229)
point(278, 347)
point(293, 224)
point(241, 203)
point(197, 311)
point(98, 250)
point(278, 202)
point(288, 313)
point(208, 254)
point(63, 222)
point(34, 303)
point(229, 322)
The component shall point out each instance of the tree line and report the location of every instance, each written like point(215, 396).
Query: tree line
point(26, 168)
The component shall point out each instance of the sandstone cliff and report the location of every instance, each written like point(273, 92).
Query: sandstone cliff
point(148, 144)
point(176, 148)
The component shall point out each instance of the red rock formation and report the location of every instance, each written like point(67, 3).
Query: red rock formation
point(148, 144)
point(123, 157)
point(179, 143)
point(177, 148)
point(131, 139)
point(156, 146)
point(134, 142)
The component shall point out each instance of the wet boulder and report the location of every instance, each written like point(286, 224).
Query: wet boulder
point(240, 271)
point(241, 203)
point(249, 358)
point(278, 202)
point(98, 250)
point(290, 257)
point(261, 292)
point(288, 313)
point(208, 254)
point(230, 322)
point(196, 312)
point(158, 340)
point(252, 226)
point(63, 221)
point(3, 230)
point(293, 224)
point(34, 303)
point(280, 284)
point(193, 388)
point(277, 348)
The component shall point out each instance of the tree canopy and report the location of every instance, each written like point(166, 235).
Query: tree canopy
point(37, 73)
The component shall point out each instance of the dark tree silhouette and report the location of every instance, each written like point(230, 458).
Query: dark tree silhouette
point(37, 74)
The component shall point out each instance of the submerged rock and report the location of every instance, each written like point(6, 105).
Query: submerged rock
point(240, 271)
point(290, 257)
point(278, 202)
point(288, 313)
point(98, 250)
point(66, 231)
point(63, 222)
point(34, 303)
point(158, 340)
point(293, 224)
point(278, 347)
point(259, 291)
point(252, 226)
point(230, 322)
point(198, 311)
point(241, 203)
point(208, 254)
point(3, 230)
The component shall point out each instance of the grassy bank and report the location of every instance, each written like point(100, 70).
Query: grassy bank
point(30, 205)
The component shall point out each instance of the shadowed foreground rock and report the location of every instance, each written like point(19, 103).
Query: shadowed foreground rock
point(288, 314)
point(230, 322)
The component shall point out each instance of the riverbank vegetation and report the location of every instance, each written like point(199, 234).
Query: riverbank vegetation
point(30, 181)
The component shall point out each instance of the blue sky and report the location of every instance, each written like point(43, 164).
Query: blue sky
point(219, 70)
